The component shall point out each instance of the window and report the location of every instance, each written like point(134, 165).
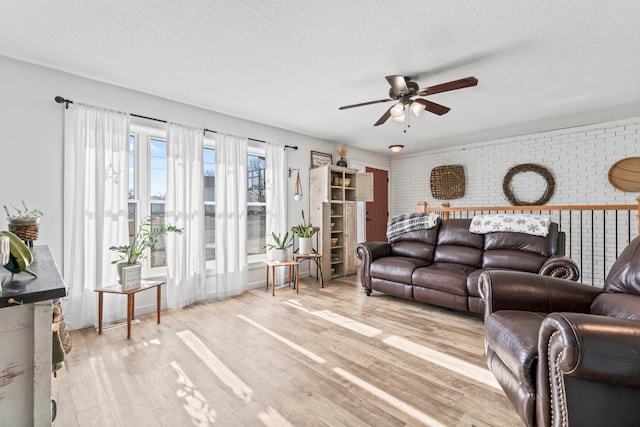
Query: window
point(209, 166)
point(148, 190)
point(148, 186)
point(256, 204)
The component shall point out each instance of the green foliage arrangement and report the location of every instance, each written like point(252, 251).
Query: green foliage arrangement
point(305, 229)
point(23, 212)
point(280, 241)
point(146, 237)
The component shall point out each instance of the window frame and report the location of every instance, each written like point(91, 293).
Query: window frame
point(256, 149)
point(142, 200)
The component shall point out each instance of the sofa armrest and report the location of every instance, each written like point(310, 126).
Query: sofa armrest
point(587, 355)
point(515, 290)
point(368, 252)
point(562, 267)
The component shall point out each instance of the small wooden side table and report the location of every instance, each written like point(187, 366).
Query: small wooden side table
point(117, 289)
point(315, 257)
point(288, 263)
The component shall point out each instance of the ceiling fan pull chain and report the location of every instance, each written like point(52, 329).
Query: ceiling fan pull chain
point(406, 118)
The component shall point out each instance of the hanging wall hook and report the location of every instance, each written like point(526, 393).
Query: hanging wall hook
point(293, 169)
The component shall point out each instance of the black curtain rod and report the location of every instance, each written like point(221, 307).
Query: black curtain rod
point(66, 102)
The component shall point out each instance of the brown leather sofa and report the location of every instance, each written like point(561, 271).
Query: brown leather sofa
point(442, 265)
point(567, 354)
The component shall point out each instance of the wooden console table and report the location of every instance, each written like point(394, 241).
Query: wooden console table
point(131, 294)
point(26, 312)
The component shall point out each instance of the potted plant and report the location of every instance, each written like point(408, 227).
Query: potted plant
point(25, 222)
point(342, 153)
point(280, 245)
point(145, 238)
point(304, 232)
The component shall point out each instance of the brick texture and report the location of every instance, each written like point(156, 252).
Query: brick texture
point(579, 159)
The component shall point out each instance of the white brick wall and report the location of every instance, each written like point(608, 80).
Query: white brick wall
point(579, 159)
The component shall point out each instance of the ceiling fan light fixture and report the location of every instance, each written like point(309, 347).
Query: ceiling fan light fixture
point(397, 110)
point(399, 118)
point(396, 148)
point(417, 108)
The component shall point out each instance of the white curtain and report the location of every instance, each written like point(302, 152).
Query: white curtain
point(231, 215)
point(185, 209)
point(276, 194)
point(95, 208)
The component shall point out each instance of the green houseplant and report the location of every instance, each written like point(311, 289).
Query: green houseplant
point(280, 245)
point(146, 237)
point(304, 232)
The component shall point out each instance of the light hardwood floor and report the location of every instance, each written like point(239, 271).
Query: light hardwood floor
point(323, 357)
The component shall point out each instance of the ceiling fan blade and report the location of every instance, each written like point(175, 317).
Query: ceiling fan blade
point(452, 85)
point(433, 107)
point(384, 117)
point(379, 101)
point(398, 85)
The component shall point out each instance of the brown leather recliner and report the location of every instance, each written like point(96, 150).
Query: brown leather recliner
point(567, 354)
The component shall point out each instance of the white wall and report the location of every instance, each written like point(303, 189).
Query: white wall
point(32, 139)
point(579, 159)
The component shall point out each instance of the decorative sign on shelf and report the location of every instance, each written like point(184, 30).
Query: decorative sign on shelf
point(447, 182)
point(131, 277)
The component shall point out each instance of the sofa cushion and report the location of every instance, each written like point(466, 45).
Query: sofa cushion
point(451, 278)
point(429, 236)
point(624, 276)
point(396, 268)
point(512, 260)
point(413, 249)
point(544, 246)
point(622, 306)
point(513, 336)
point(457, 245)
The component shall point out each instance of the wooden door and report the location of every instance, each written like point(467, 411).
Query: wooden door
point(378, 210)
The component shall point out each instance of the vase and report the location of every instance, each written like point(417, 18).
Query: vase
point(25, 228)
point(342, 162)
point(120, 265)
point(306, 246)
point(279, 255)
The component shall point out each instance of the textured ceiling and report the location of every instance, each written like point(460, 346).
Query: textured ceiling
point(541, 64)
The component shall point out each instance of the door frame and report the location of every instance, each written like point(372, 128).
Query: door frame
point(361, 222)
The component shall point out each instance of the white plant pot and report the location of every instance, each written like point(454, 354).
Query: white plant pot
point(306, 246)
point(133, 277)
point(279, 255)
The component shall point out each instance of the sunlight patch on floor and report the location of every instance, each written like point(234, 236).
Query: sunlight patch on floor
point(271, 418)
point(347, 323)
point(337, 319)
point(239, 388)
point(285, 341)
point(195, 404)
point(430, 355)
point(391, 400)
point(444, 360)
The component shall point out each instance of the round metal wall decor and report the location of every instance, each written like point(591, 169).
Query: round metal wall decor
point(528, 167)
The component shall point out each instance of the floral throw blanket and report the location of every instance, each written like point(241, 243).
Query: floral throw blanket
point(537, 225)
point(411, 222)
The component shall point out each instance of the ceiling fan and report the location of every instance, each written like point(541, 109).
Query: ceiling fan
point(406, 93)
